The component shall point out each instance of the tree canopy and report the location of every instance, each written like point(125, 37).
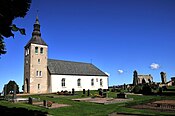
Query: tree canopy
point(10, 87)
point(10, 10)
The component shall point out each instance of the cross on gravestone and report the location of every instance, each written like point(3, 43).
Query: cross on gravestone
point(88, 92)
point(84, 91)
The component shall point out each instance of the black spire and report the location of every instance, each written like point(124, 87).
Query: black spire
point(36, 30)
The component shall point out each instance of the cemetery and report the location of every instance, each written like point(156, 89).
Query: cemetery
point(99, 102)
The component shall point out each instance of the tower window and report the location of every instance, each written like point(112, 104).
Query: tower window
point(27, 51)
point(36, 50)
point(38, 86)
point(40, 73)
point(37, 73)
point(39, 61)
point(41, 50)
point(63, 82)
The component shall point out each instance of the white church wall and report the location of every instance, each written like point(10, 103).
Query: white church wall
point(71, 82)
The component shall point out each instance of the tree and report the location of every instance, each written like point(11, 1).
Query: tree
point(10, 87)
point(10, 10)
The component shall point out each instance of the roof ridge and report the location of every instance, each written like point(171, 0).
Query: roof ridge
point(70, 61)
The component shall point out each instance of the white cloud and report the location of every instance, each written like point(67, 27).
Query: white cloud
point(154, 66)
point(120, 71)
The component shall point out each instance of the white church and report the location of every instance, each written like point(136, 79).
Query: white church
point(43, 75)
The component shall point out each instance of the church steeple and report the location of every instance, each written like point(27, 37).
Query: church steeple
point(36, 34)
point(36, 26)
point(35, 66)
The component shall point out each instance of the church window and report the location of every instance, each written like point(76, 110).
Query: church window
point(79, 82)
point(27, 62)
point(39, 61)
point(27, 51)
point(63, 82)
point(92, 82)
point(40, 73)
point(36, 50)
point(41, 50)
point(101, 82)
point(38, 86)
point(37, 73)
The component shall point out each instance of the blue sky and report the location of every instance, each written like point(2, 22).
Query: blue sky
point(118, 36)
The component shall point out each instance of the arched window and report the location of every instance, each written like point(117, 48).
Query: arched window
point(36, 50)
point(79, 82)
point(41, 51)
point(101, 82)
point(37, 73)
point(27, 50)
point(38, 86)
point(39, 61)
point(63, 82)
point(40, 73)
point(92, 82)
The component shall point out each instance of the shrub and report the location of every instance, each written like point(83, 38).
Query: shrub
point(146, 89)
point(49, 104)
point(137, 89)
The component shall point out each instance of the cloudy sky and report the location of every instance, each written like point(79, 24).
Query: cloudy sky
point(118, 36)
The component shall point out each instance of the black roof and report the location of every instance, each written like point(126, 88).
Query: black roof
point(36, 40)
point(61, 67)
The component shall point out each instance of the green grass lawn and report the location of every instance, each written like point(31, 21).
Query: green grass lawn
point(90, 109)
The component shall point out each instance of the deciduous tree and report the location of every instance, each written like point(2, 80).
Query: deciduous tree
point(10, 10)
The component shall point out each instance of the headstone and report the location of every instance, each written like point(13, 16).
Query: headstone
point(100, 92)
point(121, 95)
point(73, 91)
point(88, 92)
point(84, 91)
point(45, 103)
point(30, 101)
point(104, 92)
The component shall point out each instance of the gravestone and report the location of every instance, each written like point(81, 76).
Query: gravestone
point(121, 95)
point(88, 92)
point(104, 92)
point(73, 91)
point(30, 101)
point(84, 91)
point(100, 92)
point(45, 103)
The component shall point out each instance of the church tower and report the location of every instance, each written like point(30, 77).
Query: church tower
point(35, 63)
